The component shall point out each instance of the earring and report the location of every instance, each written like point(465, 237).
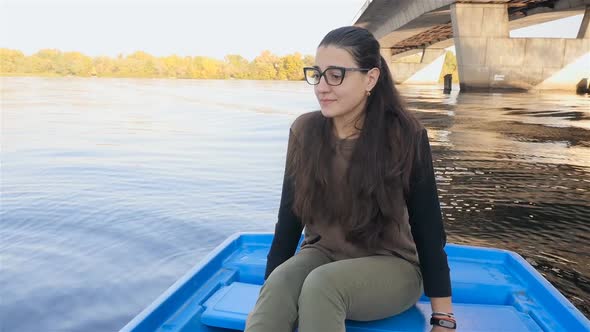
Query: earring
point(368, 93)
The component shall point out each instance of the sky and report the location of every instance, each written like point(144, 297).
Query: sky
point(212, 28)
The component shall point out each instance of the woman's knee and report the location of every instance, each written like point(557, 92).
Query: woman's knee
point(320, 286)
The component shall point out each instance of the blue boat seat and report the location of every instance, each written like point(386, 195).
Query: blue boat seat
point(229, 307)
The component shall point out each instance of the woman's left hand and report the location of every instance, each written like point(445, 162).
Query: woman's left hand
point(441, 329)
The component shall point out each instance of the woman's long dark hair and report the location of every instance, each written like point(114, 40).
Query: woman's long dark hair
point(381, 161)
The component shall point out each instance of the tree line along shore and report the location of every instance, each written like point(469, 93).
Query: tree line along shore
point(266, 66)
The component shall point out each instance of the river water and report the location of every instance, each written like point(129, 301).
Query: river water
point(111, 189)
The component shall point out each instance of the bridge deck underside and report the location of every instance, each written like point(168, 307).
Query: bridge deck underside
point(436, 26)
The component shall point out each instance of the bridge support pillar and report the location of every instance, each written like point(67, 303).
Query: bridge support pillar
point(488, 58)
point(425, 70)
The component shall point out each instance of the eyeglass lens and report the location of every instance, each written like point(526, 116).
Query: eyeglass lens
point(333, 76)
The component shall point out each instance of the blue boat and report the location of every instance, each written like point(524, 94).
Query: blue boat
point(493, 290)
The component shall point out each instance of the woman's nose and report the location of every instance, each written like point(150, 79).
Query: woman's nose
point(322, 86)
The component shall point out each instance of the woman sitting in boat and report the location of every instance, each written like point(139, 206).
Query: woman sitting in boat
point(359, 181)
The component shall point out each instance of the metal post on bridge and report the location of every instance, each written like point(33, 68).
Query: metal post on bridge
point(448, 80)
point(582, 87)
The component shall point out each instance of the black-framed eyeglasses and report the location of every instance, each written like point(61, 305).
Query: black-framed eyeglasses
point(333, 75)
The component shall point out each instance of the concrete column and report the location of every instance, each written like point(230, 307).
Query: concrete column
point(480, 20)
point(584, 32)
point(410, 72)
point(489, 59)
point(474, 27)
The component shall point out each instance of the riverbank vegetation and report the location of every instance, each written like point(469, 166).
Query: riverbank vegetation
point(266, 66)
point(52, 62)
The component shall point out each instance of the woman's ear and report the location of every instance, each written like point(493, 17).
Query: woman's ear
point(372, 78)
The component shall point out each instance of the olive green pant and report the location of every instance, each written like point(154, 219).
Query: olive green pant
point(317, 294)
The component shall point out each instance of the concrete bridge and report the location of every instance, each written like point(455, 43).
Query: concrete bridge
point(487, 57)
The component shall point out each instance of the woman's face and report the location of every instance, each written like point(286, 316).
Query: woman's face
point(348, 98)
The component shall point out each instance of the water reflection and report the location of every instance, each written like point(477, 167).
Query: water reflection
point(113, 188)
point(513, 172)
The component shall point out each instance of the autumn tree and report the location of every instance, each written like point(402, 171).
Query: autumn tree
point(236, 66)
point(291, 67)
point(266, 66)
point(450, 67)
point(11, 61)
